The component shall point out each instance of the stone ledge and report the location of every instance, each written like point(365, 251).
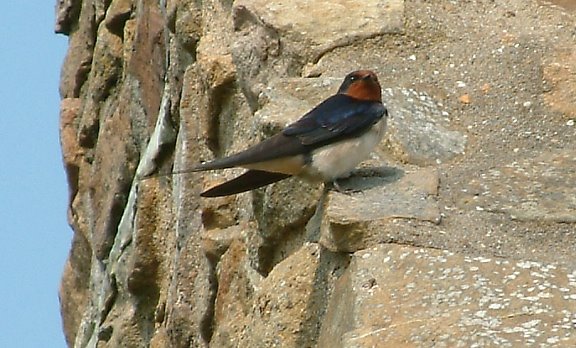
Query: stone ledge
point(356, 221)
point(424, 297)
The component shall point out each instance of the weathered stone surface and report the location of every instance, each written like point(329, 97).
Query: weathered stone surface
point(354, 221)
point(289, 302)
point(310, 28)
point(116, 175)
point(407, 296)
point(272, 38)
point(237, 285)
point(215, 242)
point(565, 4)
point(417, 131)
point(78, 60)
point(74, 288)
point(71, 150)
point(150, 90)
point(147, 62)
point(560, 73)
point(281, 306)
point(539, 189)
point(67, 12)
point(189, 304)
point(104, 73)
point(117, 15)
point(187, 19)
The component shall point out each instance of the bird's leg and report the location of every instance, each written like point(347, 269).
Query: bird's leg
point(337, 187)
point(329, 186)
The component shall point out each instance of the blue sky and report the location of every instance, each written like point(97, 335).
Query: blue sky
point(34, 234)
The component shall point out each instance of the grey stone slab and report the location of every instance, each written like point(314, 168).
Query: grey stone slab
point(418, 129)
point(323, 25)
point(406, 296)
point(353, 221)
point(534, 189)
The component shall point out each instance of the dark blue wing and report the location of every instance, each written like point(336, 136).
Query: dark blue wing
point(338, 117)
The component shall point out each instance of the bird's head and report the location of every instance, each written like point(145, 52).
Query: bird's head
point(363, 85)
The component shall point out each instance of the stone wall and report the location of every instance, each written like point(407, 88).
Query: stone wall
point(460, 230)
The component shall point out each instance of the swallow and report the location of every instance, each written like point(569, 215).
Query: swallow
point(325, 144)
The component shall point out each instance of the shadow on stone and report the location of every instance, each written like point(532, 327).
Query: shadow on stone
point(368, 178)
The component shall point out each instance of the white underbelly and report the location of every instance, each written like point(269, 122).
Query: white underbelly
point(338, 160)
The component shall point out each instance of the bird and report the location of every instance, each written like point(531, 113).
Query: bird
point(324, 145)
